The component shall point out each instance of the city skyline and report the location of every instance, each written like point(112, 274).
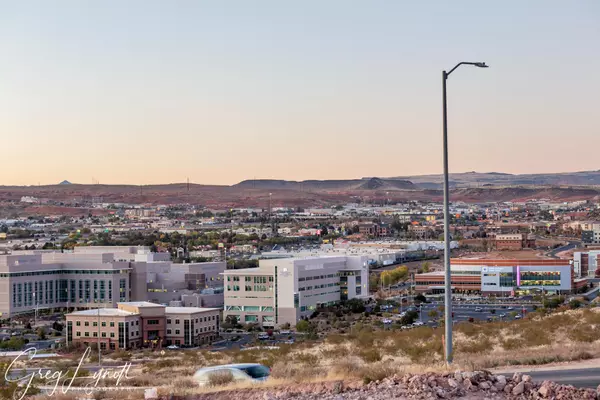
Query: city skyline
point(223, 93)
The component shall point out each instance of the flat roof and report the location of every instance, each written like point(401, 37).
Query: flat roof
point(508, 262)
point(104, 312)
point(187, 310)
point(140, 304)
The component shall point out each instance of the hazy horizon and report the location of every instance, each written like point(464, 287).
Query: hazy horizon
point(150, 92)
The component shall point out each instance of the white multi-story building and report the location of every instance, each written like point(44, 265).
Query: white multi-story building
point(92, 277)
point(285, 290)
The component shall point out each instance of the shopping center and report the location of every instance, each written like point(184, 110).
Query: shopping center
point(504, 277)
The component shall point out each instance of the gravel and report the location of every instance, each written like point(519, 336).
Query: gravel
point(478, 385)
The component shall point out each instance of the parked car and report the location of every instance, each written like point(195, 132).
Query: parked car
point(517, 317)
point(478, 309)
point(172, 347)
point(286, 332)
point(418, 323)
point(255, 373)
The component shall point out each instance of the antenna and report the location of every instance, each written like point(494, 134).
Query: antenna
point(188, 185)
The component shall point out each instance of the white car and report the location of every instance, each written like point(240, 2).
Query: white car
point(517, 317)
point(285, 332)
point(255, 373)
point(418, 323)
point(510, 308)
point(478, 309)
point(387, 321)
point(172, 347)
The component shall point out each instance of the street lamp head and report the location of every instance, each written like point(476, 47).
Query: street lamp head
point(481, 65)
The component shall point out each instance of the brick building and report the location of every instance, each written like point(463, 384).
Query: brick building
point(142, 324)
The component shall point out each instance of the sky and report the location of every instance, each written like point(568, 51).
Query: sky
point(145, 91)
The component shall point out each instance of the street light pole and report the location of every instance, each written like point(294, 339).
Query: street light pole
point(447, 274)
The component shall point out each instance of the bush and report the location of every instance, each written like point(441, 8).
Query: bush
point(370, 355)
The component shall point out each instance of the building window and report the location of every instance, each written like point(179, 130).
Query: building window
point(177, 331)
point(112, 334)
point(112, 324)
point(168, 331)
point(103, 334)
point(86, 334)
point(103, 323)
point(168, 321)
point(86, 323)
point(152, 322)
point(95, 323)
point(176, 322)
point(78, 323)
point(78, 333)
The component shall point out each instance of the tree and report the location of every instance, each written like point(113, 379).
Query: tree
point(41, 333)
point(373, 280)
point(409, 318)
point(303, 326)
point(426, 266)
point(420, 297)
point(356, 305)
point(433, 314)
point(573, 304)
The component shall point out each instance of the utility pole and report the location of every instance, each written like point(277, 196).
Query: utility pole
point(447, 274)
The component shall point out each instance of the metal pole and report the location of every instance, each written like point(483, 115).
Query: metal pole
point(99, 353)
point(447, 275)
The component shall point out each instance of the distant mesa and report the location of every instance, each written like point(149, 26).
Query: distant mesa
point(65, 182)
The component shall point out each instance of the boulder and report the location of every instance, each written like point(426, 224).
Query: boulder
point(519, 389)
point(516, 377)
point(485, 385)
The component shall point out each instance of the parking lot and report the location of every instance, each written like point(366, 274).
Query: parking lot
point(464, 311)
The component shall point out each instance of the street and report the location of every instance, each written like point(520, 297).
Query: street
point(581, 377)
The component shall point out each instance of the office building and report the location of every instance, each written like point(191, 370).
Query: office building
point(142, 324)
point(285, 290)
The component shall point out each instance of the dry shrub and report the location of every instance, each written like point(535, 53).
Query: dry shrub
point(377, 372)
point(583, 333)
point(295, 372)
point(534, 336)
point(220, 378)
point(121, 355)
point(346, 368)
point(370, 355)
point(513, 343)
point(479, 345)
point(334, 353)
point(309, 360)
point(335, 339)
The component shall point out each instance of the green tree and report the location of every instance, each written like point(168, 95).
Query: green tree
point(41, 333)
point(433, 314)
point(573, 304)
point(420, 297)
point(409, 318)
point(426, 266)
point(303, 326)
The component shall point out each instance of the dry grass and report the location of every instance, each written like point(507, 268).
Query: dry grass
point(368, 355)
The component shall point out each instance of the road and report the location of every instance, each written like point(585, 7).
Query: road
point(571, 245)
point(582, 377)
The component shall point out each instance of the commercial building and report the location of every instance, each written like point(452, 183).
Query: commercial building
point(510, 241)
point(141, 324)
point(587, 263)
point(285, 290)
point(92, 277)
point(503, 277)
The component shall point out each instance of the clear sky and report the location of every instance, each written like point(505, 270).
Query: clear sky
point(143, 91)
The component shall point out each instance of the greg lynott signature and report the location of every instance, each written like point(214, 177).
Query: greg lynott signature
point(54, 379)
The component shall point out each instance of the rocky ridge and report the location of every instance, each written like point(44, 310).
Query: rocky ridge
point(476, 385)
